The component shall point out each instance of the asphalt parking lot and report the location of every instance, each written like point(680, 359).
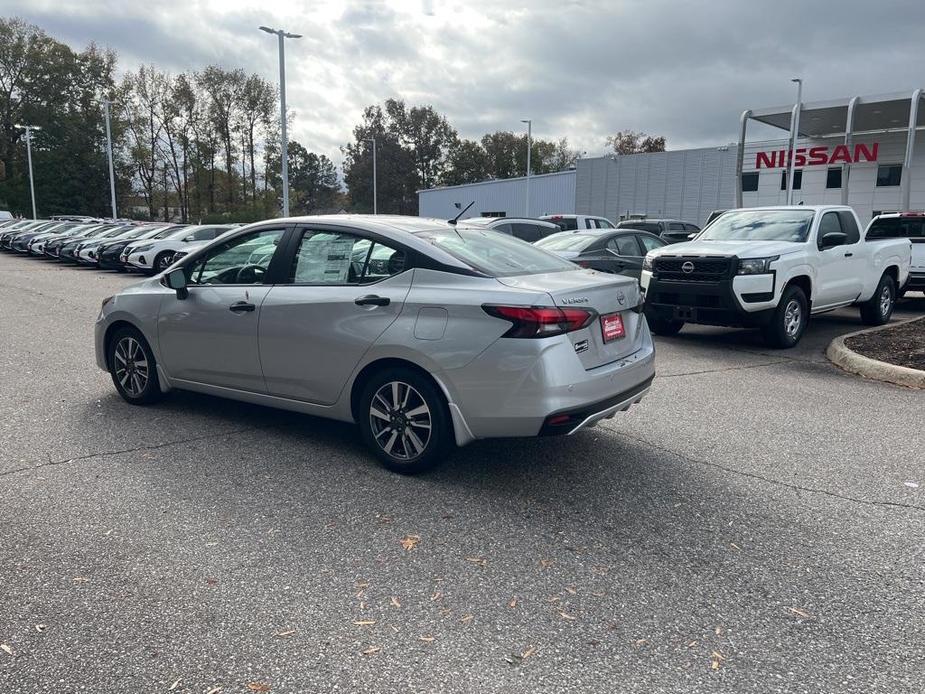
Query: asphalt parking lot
point(752, 526)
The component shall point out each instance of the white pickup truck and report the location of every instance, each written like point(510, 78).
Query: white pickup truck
point(771, 268)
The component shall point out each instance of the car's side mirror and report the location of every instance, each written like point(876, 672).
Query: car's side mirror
point(832, 239)
point(176, 280)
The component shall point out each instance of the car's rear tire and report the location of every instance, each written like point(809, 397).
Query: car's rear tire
point(879, 308)
point(132, 367)
point(789, 321)
point(404, 420)
point(664, 326)
point(162, 261)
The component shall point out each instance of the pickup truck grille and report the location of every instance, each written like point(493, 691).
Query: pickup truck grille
point(693, 269)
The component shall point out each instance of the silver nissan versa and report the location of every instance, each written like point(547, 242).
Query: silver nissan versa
point(423, 332)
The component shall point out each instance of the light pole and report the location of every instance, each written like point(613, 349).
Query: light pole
point(284, 150)
point(529, 123)
point(375, 204)
point(794, 134)
point(29, 129)
point(112, 177)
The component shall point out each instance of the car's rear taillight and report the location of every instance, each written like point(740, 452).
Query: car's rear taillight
point(540, 321)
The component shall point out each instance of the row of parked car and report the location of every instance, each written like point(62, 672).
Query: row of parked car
point(110, 245)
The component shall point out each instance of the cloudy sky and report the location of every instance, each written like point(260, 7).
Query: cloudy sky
point(581, 69)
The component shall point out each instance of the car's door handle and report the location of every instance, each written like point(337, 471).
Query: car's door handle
point(848, 255)
point(372, 300)
point(242, 307)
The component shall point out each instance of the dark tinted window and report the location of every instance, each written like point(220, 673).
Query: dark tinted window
point(850, 227)
point(604, 224)
point(797, 179)
point(503, 228)
point(529, 232)
point(897, 227)
point(830, 223)
point(624, 245)
point(650, 243)
point(691, 227)
point(564, 223)
point(889, 175)
point(833, 177)
point(675, 226)
point(750, 182)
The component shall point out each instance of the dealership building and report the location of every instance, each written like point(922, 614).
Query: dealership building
point(863, 151)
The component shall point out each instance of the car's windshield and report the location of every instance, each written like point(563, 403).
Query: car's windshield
point(760, 225)
point(498, 255)
point(566, 241)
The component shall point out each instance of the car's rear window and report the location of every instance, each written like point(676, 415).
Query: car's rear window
point(897, 227)
point(494, 254)
point(567, 242)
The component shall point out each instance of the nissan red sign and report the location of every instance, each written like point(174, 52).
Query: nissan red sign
point(816, 156)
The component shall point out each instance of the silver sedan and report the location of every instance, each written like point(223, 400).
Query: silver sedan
point(425, 333)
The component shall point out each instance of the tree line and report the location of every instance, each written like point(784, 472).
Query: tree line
point(204, 145)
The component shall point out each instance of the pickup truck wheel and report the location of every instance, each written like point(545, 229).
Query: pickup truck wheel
point(879, 308)
point(664, 326)
point(789, 319)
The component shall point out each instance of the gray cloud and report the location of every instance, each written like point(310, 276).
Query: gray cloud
point(581, 69)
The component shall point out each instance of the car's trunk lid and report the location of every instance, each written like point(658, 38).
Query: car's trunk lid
point(604, 293)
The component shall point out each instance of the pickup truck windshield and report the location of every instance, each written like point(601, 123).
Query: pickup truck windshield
point(760, 225)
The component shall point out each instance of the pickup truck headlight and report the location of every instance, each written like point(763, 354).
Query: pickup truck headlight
point(647, 262)
point(755, 266)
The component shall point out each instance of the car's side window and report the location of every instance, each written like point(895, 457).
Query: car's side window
point(850, 227)
point(241, 260)
point(828, 224)
point(334, 257)
point(624, 245)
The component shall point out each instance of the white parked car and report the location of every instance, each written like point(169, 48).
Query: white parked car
point(157, 256)
point(578, 222)
point(904, 225)
point(771, 268)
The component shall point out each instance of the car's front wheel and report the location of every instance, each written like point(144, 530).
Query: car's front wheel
point(132, 366)
point(404, 419)
point(163, 261)
point(789, 320)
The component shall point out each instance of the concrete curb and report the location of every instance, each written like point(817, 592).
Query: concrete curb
point(856, 363)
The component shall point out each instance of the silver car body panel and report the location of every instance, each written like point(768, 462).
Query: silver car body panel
point(303, 347)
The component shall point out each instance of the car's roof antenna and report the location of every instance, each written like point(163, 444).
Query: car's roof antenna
point(462, 211)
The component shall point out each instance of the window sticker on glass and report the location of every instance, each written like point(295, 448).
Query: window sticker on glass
point(324, 258)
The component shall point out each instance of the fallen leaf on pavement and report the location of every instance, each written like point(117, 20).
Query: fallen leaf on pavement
point(258, 687)
point(641, 642)
point(6, 649)
point(428, 639)
point(365, 622)
point(716, 660)
point(436, 596)
point(372, 650)
point(467, 618)
point(800, 613)
point(735, 546)
point(285, 634)
point(395, 601)
point(174, 685)
point(80, 579)
point(570, 590)
point(214, 690)
point(40, 628)
point(409, 542)
point(598, 594)
point(477, 560)
point(565, 615)
point(692, 644)
point(546, 563)
point(527, 653)
point(513, 603)
point(553, 598)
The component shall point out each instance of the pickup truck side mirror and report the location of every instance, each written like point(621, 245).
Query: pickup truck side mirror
point(176, 280)
point(832, 239)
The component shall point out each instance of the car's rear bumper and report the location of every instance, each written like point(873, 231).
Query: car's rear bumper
point(504, 394)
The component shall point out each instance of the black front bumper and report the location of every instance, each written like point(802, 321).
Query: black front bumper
point(706, 298)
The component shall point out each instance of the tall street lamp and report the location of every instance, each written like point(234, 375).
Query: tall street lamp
point(372, 140)
point(529, 123)
point(29, 129)
point(284, 150)
point(794, 134)
point(112, 177)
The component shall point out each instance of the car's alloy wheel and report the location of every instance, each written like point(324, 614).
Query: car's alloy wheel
point(131, 366)
point(404, 418)
point(793, 318)
point(886, 300)
point(163, 261)
point(879, 308)
point(400, 420)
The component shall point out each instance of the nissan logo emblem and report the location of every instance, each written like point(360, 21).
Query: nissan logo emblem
point(687, 268)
